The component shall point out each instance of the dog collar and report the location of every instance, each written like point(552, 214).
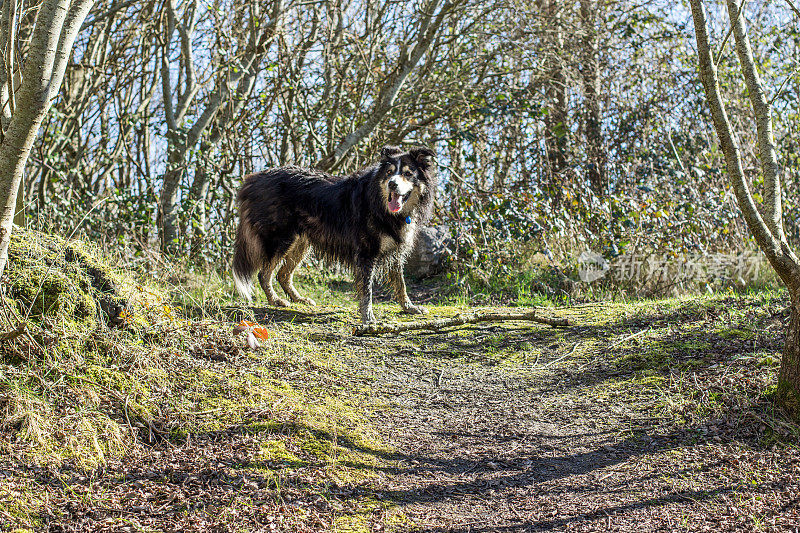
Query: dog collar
point(408, 220)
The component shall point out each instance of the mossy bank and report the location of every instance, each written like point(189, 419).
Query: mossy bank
point(100, 367)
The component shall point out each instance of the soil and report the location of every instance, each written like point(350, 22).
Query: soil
point(567, 440)
point(490, 448)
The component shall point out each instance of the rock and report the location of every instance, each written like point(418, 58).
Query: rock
point(431, 252)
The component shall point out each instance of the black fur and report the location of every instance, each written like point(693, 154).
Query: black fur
point(345, 219)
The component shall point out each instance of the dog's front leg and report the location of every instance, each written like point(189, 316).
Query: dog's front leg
point(365, 278)
point(399, 286)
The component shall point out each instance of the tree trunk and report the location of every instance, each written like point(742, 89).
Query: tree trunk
point(168, 200)
point(198, 196)
point(556, 135)
point(788, 393)
point(596, 171)
point(767, 230)
point(57, 25)
point(555, 121)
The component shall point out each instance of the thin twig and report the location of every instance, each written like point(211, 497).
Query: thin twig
point(124, 401)
point(554, 361)
point(629, 337)
point(794, 7)
point(782, 85)
point(675, 153)
point(439, 377)
point(727, 35)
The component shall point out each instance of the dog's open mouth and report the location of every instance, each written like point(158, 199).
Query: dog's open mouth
point(396, 201)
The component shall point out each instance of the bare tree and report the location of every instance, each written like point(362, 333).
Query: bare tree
point(428, 26)
point(239, 73)
point(257, 40)
point(57, 25)
point(765, 225)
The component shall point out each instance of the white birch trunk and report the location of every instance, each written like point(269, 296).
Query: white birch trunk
point(767, 230)
point(57, 25)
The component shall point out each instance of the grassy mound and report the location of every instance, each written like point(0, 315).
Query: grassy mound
point(97, 361)
point(65, 375)
point(101, 369)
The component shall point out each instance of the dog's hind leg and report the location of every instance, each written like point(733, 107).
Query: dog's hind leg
point(247, 257)
point(265, 279)
point(297, 252)
point(274, 253)
point(399, 285)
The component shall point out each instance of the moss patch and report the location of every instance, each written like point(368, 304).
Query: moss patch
point(61, 282)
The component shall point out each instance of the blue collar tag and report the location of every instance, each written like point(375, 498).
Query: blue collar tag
point(408, 220)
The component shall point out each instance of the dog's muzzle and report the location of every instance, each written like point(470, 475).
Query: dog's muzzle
point(399, 191)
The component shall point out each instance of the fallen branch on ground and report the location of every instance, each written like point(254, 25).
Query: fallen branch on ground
point(459, 320)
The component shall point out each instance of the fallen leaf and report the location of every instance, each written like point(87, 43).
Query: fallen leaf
point(254, 329)
point(261, 333)
point(243, 326)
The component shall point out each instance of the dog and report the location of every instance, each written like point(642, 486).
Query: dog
point(367, 221)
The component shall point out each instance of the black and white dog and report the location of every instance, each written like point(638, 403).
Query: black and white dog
point(367, 221)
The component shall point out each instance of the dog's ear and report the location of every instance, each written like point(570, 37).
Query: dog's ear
point(389, 152)
point(423, 156)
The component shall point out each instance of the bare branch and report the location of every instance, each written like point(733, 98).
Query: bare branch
point(166, 84)
point(794, 7)
point(728, 34)
point(460, 320)
point(408, 59)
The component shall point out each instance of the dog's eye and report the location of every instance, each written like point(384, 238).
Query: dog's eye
point(408, 173)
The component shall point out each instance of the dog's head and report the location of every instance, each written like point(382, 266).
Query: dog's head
point(406, 178)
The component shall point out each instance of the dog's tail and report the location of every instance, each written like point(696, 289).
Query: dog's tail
point(246, 257)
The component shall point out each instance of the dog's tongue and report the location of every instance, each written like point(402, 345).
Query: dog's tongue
point(395, 203)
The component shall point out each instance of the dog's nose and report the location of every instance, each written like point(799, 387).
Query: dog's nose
point(392, 185)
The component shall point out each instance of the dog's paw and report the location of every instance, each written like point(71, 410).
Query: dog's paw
point(307, 301)
point(279, 302)
point(412, 309)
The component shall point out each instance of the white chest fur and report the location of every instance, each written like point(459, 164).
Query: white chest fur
point(406, 238)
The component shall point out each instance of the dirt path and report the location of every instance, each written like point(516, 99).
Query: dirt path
point(565, 439)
